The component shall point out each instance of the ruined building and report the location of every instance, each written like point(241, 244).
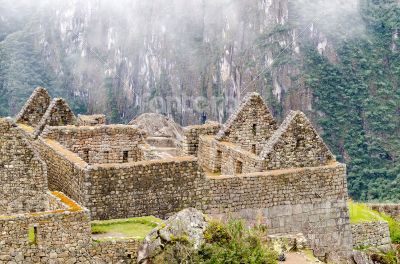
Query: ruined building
point(283, 176)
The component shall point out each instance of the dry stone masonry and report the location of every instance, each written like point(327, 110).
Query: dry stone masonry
point(99, 144)
point(296, 144)
point(192, 135)
point(38, 226)
point(392, 210)
point(34, 108)
point(57, 114)
point(284, 177)
point(91, 120)
point(250, 126)
point(22, 173)
point(371, 234)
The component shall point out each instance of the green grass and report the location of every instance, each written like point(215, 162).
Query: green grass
point(362, 213)
point(31, 235)
point(129, 228)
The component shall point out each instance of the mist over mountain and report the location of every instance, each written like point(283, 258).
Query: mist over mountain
point(338, 61)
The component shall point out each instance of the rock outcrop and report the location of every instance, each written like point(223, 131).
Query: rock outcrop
point(189, 223)
point(157, 125)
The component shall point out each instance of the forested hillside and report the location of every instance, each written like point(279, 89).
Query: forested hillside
point(338, 61)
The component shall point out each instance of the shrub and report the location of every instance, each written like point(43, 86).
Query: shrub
point(235, 243)
point(224, 243)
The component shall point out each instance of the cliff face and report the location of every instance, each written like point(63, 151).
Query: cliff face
point(181, 58)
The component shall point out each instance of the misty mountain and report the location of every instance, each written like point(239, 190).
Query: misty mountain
point(337, 60)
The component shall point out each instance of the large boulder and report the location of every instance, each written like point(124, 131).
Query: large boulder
point(284, 243)
point(189, 223)
point(157, 125)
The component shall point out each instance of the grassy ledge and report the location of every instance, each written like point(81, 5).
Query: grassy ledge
point(360, 212)
point(129, 228)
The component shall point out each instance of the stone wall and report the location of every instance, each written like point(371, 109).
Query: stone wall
point(295, 144)
point(156, 188)
point(311, 201)
point(375, 234)
point(22, 173)
point(57, 114)
point(226, 158)
point(191, 136)
point(250, 126)
point(392, 210)
point(100, 144)
point(91, 120)
point(61, 236)
point(34, 108)
point(65, 170)
point(122, 251)
point(307, 200)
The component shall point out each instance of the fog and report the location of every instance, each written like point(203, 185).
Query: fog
point(214, 49)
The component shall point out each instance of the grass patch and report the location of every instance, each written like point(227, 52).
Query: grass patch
point(362, 213)
point(128, 228)
point(31, 235)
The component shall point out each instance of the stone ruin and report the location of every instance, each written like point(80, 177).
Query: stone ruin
point(91, 120)
point(34, 108)
point(283, 176)
point(23, 174)
point(40, 111)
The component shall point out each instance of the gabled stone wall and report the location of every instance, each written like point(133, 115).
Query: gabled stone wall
point(295, 144)
point(100, 144)
point(22, 173)
point(57, 114)
point(34, 108)
point(251, 125)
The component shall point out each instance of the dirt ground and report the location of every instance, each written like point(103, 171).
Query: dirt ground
point(297, 258)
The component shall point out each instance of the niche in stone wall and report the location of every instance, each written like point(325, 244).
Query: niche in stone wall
point(239, 167)
point(254, 129)
point(32, 235)
point(106, 155)
point(254, 149)
point(125, 156)
point(86, 155)
point(218, 161)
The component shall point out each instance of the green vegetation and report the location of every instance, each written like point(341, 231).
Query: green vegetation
point(379, 256)
point(136, 228)
point(224, 243)
point(357, 99)
point(362, 213)
point(234, 243)
point(31, 235)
